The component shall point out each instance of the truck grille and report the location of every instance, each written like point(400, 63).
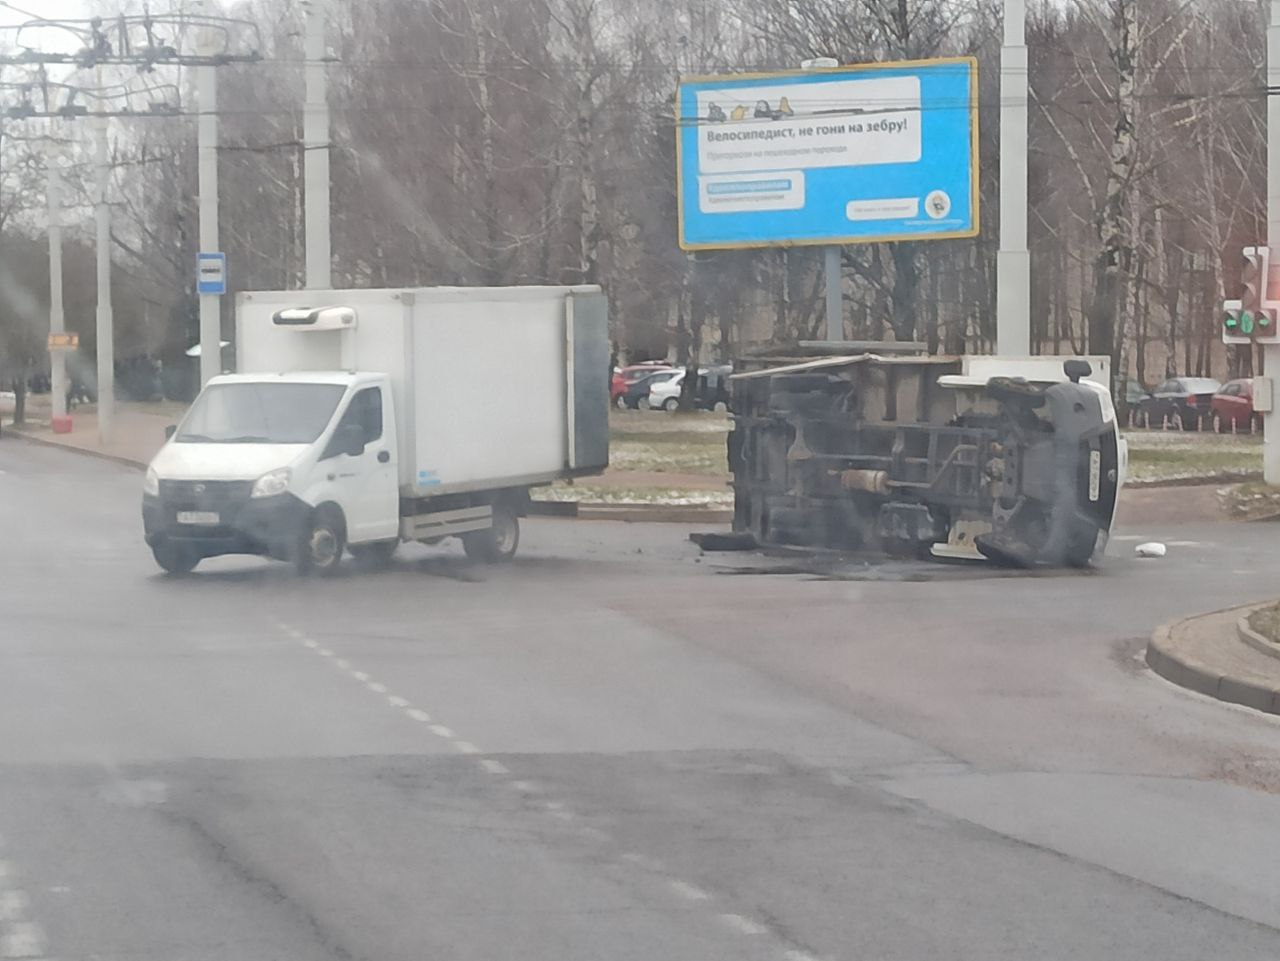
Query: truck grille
point(204, 494)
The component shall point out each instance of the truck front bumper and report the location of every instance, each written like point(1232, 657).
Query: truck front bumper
point(244, 525)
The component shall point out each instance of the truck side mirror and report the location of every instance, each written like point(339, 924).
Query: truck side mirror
point(170, 430)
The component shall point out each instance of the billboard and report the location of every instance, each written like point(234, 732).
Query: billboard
point(856, 154)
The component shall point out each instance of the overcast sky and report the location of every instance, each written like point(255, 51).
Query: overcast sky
point(50, 9)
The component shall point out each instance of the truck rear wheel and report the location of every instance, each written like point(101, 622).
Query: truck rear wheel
point(175, 559)
point(497, 543)
point(320, 543)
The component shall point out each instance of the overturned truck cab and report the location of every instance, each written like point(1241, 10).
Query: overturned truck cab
point(1015, 460)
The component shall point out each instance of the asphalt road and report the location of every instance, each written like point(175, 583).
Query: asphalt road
point(613, 748)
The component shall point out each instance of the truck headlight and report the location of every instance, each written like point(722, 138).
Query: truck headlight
point(270, 484)
point(151, 482)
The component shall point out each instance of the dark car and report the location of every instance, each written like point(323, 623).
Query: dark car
point(637, 392)
point(1232, 408)
point(1179, 403)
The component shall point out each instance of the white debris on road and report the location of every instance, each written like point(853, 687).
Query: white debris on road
point(1151, 549)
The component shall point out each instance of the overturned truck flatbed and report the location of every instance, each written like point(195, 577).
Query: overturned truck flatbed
point(1015, 460)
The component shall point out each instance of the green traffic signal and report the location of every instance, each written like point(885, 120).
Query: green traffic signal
point(1230, 321)
point(1264, 320)
point(1246, 322)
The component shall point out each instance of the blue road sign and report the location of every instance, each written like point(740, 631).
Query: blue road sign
point(856, 154)
point(211, 273)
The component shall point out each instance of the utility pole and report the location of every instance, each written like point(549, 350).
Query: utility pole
point(1271, 352)
point(315, 139)
point(831, 253)
point(1013, 262)
point(57, 322)
point(207, 152)
point(105, 319)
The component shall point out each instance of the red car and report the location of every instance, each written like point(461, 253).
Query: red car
point(1232, 408)
point(624, 378)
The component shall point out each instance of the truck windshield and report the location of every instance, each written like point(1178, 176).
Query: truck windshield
point(260, 414)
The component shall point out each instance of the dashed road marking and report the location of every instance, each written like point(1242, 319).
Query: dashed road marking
point(395, 700)
point(417, 715)
point(324, 652)
point(743, 925)
point(439, 730)
point(466, 747)
point(360, 676)
point(494, 767)
point(840, 780)
point(342, 664)
point(686, 890)
point(311, 644)
point(525, 787)
point(23, 939)
point(14, 905)
point(644, 861)
point(376, 687)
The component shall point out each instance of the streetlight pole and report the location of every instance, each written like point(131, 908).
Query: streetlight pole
point(105, 319)
point(1013, 261)
point(831, 267)
point(207, 151)
point(57, 321)
point(315, 138)
point(1271, 352)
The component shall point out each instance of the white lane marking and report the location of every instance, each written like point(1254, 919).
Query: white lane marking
point(687, 890)
point(310, 643)
point(563, 815)
point(526, 787)
point(743, 925)
point(324, 652)
point(417, 715)
point(360, 676)
point(376, 687)
point(596, 834)
point(1182, 543)
point(439, 730)
point(24, 939)
point(1129, 537)
point(6, 869)
point(644, 861)
point(466, 747)
point(554, 806)
point(840, 780)
point(794, 955)
point(14, 905)
point(493, 767)
point(343, 664)
point(395, 700)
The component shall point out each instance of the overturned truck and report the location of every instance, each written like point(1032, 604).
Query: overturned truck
point(1014, 460)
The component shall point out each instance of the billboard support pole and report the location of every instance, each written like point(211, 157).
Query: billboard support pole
point(1013, 261)
point(831, 253)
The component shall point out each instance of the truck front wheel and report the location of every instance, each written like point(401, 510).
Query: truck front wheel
point(175, 559)
point(320, 543)
point(497, 543)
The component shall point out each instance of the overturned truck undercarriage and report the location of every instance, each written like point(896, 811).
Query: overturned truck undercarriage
point(912, 456)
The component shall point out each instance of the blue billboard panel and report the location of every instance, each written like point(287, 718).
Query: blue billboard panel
point(842, 155)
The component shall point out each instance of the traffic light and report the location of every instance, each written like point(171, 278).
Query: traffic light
point(1252, 318)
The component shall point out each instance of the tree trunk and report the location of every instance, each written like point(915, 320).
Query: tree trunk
point(19, 401)
point(906, 283)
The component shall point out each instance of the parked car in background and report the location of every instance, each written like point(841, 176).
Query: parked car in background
point(711, 392)
point(625, 377)
point(1232, 408)
point(637, 394)
point(1179, 403)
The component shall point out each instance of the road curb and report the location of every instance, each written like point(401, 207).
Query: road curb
point(1253, 638)
point(1167, 656)
point(101, 455)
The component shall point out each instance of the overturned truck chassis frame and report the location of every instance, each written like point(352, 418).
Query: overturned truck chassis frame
point(906, 456)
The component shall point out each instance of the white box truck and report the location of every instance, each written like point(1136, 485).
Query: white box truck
point(358, 419)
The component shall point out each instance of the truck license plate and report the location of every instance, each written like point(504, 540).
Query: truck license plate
point(1095, 473)
point(199, 517)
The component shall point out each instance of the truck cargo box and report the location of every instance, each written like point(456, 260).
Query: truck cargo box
point(494, 386)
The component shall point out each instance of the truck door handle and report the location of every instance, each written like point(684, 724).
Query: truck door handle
point(384, 456)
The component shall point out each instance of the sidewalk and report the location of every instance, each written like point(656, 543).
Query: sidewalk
point(1219, 655)
point(136, 433)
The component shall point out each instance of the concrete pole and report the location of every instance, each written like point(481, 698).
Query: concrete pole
point(105, 319)
point(207, 151)
point(57, 322)
point(1271, 352)
point(315, 138)
point(1013, 261)
point(831, 268)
